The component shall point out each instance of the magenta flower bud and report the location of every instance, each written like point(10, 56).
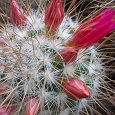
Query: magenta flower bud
point(54, 15)
point(17, 15)
point(69, 54)
point(93, 30)
point(2, 41)
point(75, 88)
point(32, 106)
point(6, 110)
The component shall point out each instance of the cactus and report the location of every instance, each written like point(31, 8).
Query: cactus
point(55, 70)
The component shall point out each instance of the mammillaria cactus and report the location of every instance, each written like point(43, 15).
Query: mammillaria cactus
point(50, 64)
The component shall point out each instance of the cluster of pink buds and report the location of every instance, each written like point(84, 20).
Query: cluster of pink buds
point(87, 34)
point(91, 32)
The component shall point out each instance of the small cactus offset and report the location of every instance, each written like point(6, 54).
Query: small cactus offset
point(50, 64)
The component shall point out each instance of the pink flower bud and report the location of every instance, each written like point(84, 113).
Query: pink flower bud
point(75, 88)
point(54, 15)
point(93, 30)
point(17, 15)
point(6, 110)
point(32, 106)
point(69, 54)
point(2, 41)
